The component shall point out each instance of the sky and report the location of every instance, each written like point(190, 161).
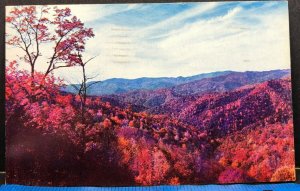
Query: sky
point(179, 39)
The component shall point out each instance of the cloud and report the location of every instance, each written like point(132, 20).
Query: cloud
point(201, 37)
point(90, 13)
point(178, 19)
point(227, 43)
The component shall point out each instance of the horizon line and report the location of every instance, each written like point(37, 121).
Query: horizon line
point(191, 75)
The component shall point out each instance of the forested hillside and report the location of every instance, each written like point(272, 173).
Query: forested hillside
point(208, 137)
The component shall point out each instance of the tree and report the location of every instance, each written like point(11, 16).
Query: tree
point(234, 175)
point(33, 27)
point(84, 85)
point(285, 173)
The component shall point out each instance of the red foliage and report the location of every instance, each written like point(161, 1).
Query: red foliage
point(242, 135)
point(234, 176)
point(259, 152)
point(33, 27)
point(137, 148)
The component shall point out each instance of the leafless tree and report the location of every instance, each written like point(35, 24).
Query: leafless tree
point(85, 84)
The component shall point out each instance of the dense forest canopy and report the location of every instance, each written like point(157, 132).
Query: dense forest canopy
point(225, 128)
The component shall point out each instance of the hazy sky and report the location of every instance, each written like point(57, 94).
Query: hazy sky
point(181, 39)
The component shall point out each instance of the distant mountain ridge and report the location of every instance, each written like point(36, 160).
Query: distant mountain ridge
point(157, 100)
point(122, 85)
point(215, 81)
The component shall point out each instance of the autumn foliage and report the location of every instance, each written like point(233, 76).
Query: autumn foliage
point(242, 135)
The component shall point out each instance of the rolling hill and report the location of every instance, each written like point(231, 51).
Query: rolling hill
point(155, 100)
point(216, 81)
point(121, 85)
